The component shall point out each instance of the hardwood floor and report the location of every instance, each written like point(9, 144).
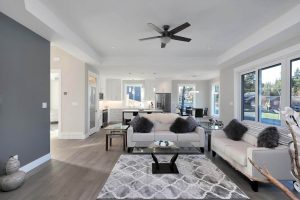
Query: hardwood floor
point(79, 169)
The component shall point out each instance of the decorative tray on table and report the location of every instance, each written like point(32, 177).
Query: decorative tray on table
point(164, 144)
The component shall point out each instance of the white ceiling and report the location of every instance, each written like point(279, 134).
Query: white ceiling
point(111, 29)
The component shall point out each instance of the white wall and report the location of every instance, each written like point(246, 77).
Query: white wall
point(54, 99)
point(73, 102)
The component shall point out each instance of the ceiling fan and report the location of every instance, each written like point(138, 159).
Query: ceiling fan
point(167, 35)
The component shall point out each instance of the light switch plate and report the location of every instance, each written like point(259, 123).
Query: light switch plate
point(44, 105)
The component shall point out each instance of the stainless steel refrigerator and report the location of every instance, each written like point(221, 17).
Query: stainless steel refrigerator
point(163, 101)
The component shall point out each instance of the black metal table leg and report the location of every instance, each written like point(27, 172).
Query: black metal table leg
point(208, 141)
point(172, 162)
point(155, 161)
point(110, 141)
point(164, 168)
point(106, 143)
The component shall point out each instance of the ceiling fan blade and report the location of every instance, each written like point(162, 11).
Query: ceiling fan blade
point(179, 28)
point(184, 39)
point(163, 45)
point(150, 38)
point(155, 28)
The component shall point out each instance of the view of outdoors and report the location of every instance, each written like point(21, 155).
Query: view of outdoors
point(216, 96)
point(188, 95)
point(134, 92)
point(269, 95)
point(295, 84)
point(248, 96)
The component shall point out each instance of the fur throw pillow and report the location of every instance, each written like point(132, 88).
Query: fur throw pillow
point(269, 137)
point(180, 126)
point(235, 130)
point(134, 122)
point(144, 125)
point(192, 123)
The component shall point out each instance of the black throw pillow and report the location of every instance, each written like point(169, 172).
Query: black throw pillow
point(180, 126)
point(134, 122)
point(192, 123)
point(144, 125)
point(269, 137)
point(235, 130)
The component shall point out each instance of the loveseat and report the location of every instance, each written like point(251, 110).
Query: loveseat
point(161, 131)
point(236, 153)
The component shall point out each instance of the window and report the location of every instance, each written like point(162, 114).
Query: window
point(186, 96)
point(215, 99)
point(295, 84)
point(248, 96)
point(269, 95)
point(134, 92)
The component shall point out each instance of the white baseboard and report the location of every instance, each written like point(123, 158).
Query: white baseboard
point(72, 135)
point(35, 163)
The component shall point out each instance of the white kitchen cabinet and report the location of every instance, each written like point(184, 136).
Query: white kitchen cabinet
point(115, 115)
point(149, 90)
point(163, 86)
point(113, 90)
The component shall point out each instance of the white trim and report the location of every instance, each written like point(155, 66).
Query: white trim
point(284, 57)
point(59, 101)
point(73, 135)
point(30, 166)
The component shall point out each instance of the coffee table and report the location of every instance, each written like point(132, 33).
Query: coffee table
point(116, 130)
point(165, 168)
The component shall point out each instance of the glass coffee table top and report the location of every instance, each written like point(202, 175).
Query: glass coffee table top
point(118, 126)
point(179, 147)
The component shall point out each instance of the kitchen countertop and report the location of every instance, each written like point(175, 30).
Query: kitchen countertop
point(143, 110)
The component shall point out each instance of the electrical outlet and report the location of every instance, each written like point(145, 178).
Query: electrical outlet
point(44, 105)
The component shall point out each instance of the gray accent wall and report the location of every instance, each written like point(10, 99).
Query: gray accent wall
point(24, 85)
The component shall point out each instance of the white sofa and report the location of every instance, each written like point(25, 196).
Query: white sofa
point(161, 131)
point(236, 153)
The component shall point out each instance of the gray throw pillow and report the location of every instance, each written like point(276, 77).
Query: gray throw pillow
point(192, 123)
point(235, 130)
point(180, 126)
point(134, 122)
point(268, 138)
point(144, 125)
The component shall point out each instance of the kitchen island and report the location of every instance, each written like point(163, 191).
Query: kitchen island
point(127, 114)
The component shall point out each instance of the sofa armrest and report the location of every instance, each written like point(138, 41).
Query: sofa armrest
point(129, 137)
point(276, 160)
point(200, 131)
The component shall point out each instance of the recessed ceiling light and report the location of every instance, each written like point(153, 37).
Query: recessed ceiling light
point(194, 76)
point(113, 47)
point(154, 73)
point(129, 73)
point(56, 59)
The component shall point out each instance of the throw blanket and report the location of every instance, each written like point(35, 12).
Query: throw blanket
point(254, 128)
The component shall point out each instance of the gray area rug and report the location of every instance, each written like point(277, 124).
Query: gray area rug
point(198, 178)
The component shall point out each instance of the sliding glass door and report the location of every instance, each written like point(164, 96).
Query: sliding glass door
point(248, 96)
point(270, 94)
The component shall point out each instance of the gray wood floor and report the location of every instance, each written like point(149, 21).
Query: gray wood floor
point(79, 169)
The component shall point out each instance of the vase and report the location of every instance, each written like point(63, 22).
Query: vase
point(12, 165)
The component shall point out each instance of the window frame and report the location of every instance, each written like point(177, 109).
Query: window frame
point(212, 99)
point(259, 89)
point(290, 81)
point(242, 116)
point(178, 94)
point(133, 85)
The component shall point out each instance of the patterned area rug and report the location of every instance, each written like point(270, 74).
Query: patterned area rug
point(198, 178)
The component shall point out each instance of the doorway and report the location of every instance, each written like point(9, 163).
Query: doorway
point(55, 103)
point(93, 104)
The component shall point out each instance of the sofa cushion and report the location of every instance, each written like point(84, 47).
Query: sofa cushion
point(192, 123)
point(166, 118)
point(269, 137)
point(180, 126)
point(165, 135)
point(140, 137)
point(237, 151)
point(250, 139)
point(158, 126)
point(188, 137)
point(144, 125)
point(235, 130)
point(220, 140)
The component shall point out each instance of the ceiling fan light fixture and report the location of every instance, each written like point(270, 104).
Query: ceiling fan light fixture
point(165, 40)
